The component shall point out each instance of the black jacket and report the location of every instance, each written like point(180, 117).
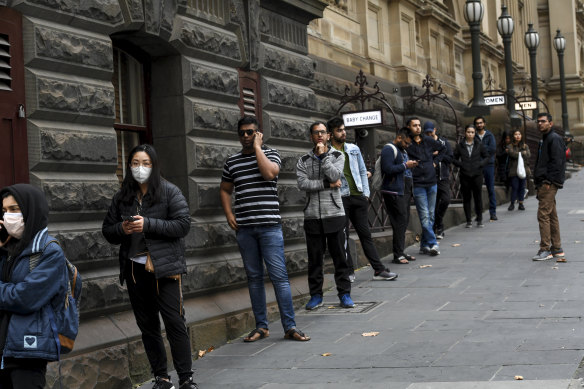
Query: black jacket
point(166, 223)
point(550, 165)
point(443, 167)
point(470, 165)
point(424, 174)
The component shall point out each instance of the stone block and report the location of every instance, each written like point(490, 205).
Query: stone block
point(238, 324)
point(74, 145)
point(207, 78)
point(206, 156)
point(91, 14)
point(216, 274)
point(283, 31)
point(208, 334)
point(286, 64)
point(79, 196)
point(287, 97)
point(85, 245)
point(138, 362)
point(211, 119)
point(68, 51)
point(71, 100)
point(327, 106)
point(207, 42)
point(291, 196)
point(288, 128)
point(293, 227)
point(103, 294)
point(133, 12)
point(107, 368)
point(290, 159)
point(209, 234)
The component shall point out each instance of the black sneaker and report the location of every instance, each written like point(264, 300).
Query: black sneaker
point(512, 207)
point(162, 383)
point(468, 225)
point(189, 384)
point(521, 207)
point(493, 217)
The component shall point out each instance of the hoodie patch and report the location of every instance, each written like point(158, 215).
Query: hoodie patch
point(30, 341)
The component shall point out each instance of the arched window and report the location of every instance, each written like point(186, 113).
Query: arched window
point(132, 121)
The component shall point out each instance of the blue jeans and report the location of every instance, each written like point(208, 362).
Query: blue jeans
point(517, 189)
point(261, 244)
point(425, 200)
point(489, 175)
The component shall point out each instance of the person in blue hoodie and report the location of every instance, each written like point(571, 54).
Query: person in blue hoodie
point(422, 149)
point(27, 342)
point(488, 140)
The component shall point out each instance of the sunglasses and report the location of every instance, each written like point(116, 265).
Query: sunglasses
point(246, 132)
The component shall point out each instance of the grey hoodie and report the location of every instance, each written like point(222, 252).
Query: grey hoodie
point(324, 206)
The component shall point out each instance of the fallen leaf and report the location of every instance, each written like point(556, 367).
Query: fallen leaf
point(455, 244)
point(374, 333)
point(331, 307)
point(519, 377)
point(326, 354)
point(203, 352)
point(424, 266)
point(417, 238)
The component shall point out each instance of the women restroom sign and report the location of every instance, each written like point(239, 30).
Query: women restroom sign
point(363, 118)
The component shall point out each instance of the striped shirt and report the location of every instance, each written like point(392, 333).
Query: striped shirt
point(256, 200)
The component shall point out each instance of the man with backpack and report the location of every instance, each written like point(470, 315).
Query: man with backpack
point(355, 195)
point(396, 189)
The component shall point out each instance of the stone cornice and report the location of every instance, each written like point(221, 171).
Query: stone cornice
point(300, 10)
point(440, 15)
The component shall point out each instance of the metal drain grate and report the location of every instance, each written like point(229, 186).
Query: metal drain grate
point(335, 309)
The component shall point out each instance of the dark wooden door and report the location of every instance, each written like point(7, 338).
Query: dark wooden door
point(13, 140)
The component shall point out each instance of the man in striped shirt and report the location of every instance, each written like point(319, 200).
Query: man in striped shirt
point(253, 173)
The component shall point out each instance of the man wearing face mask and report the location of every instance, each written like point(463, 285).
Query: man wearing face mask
point(149, 218)
point(23, 234)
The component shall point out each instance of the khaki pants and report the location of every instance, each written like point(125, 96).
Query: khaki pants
point(549, 226)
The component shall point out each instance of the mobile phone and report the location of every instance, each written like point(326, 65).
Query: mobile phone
point(128, 218)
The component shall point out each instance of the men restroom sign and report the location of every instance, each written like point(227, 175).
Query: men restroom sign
point(363, 118)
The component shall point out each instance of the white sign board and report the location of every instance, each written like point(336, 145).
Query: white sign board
point(364, 118)
point(495, 100)
point(526, 105)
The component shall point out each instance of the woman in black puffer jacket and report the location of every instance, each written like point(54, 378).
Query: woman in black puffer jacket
point(470, 156)
point(149, 217)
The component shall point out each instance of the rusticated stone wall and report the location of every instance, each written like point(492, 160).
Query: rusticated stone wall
point(195, 55)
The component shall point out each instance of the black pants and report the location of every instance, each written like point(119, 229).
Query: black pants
point(442, 203)
point(356, 210)
point(150, 298)
point(398, 209)
point(472, 187)
point(316, 245)
point(23, 378)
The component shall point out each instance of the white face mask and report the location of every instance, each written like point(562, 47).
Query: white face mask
point(141, 173)
point(14, 224)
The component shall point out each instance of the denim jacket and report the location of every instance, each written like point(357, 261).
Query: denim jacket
point(358, 171)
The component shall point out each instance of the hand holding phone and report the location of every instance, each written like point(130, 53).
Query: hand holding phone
point(128, 218)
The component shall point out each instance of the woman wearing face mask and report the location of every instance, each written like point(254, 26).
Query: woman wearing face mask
point(27, 342)
point(149, 217)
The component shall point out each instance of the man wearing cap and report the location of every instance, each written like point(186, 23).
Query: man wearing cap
point(422, 150)
point(443, 180)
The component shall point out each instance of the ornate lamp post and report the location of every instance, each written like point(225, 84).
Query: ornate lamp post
point(560, 46)
point(505, 26)
point(473, 13)
point(531, 42)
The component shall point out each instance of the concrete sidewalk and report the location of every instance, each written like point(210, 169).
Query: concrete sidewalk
point(475, 317)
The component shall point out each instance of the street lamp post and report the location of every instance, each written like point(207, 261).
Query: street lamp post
point(560, 45)
point(473, 13)
point(505, 26)
point(532, 41)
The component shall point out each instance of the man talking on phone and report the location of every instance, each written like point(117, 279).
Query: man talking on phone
point(253, 173)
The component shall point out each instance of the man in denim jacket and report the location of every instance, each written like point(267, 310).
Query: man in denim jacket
point(355, 195)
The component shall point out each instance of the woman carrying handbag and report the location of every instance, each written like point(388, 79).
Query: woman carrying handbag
point(519, 155)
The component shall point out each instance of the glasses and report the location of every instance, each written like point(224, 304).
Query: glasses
point(245, 132)
point(319, 133)
point(138, 164)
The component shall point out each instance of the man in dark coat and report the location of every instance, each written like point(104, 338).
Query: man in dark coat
point(549, 176)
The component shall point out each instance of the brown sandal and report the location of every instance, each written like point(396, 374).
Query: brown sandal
point(295, 334)
point(260, 332)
